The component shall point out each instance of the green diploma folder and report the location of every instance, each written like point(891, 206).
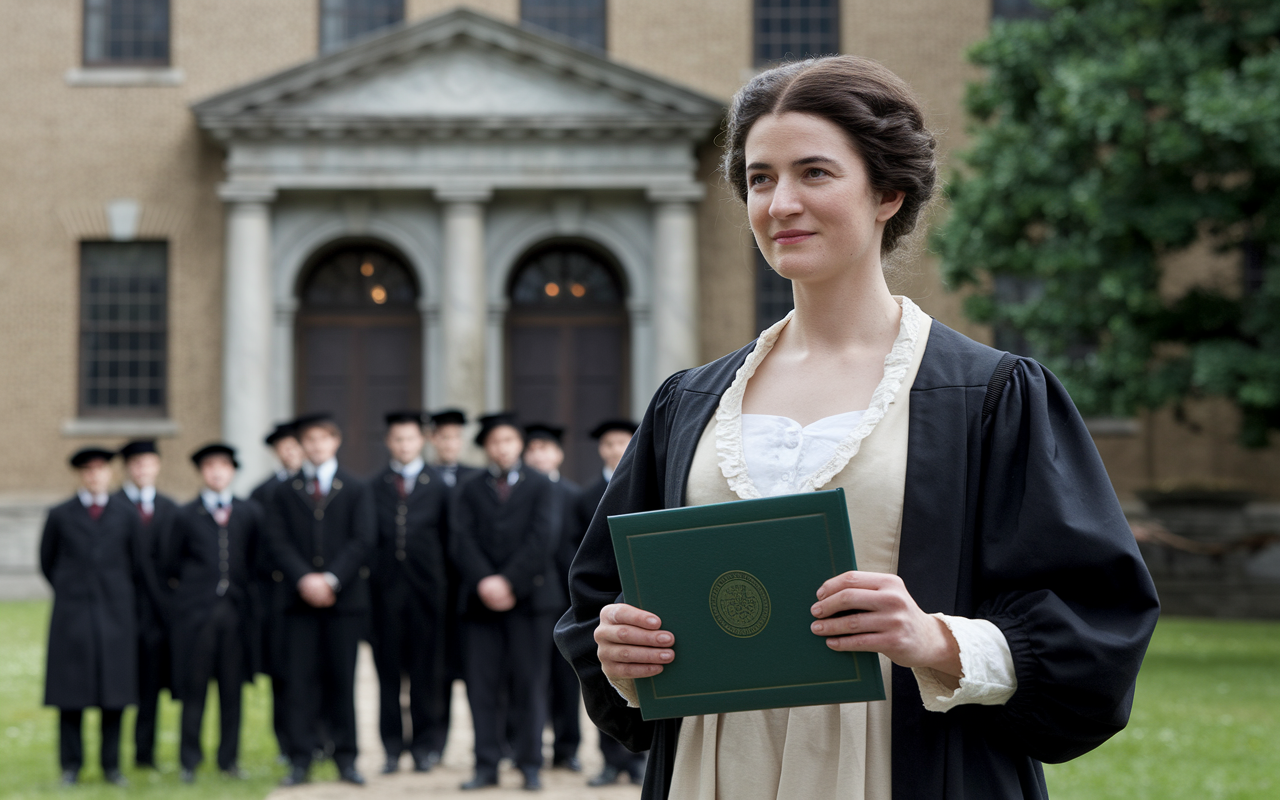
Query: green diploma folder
point(734, 583)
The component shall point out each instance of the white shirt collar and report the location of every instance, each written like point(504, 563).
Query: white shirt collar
point(87, 499)
point(212, 500)
point(282, 474)
point(607, 473)
point(409, 471)
point(322, 473)
point(146, 495)
point(512, 476)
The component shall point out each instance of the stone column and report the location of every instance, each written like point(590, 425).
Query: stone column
point(462, 309)
point(675, 279)
point(247, 328)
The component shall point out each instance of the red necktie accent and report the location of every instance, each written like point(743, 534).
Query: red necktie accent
point(222, 515)
point(504, 488)
point(316, 493)
point(142, 512)
point(95, 511)
point(400, 486)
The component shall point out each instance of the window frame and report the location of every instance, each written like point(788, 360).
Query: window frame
point(110, 63)
point(325, 48)
point(760, 62)
point(604, 29)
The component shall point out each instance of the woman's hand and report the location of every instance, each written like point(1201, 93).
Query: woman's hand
point(631, 643)
point(889, 622)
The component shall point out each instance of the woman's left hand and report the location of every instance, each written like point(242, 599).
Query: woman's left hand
point(889, 622)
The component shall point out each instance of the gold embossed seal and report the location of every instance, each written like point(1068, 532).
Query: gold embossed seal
point(739, 604)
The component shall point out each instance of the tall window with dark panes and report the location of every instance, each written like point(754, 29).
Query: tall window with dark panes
point(580, 20)
point(126, 33)
point(342, 21)
point(1017, 9)
point(124, 323)
point(792, 29)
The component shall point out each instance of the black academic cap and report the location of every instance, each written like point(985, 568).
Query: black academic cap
point(283, 430)
point(491, 421)
point(449, 416)
point(215, 449)
point(613, 425)
point(86, 454)
point(540, 430)
point(397, 417)
point(137, 447)
point(316, 420)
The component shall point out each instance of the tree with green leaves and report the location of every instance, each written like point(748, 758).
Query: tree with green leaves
point(1108, 135)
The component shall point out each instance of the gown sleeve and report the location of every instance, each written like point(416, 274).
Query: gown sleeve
point(1059, 573)
point(636, 485)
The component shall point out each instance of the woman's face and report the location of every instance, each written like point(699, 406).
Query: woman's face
point(809, 200)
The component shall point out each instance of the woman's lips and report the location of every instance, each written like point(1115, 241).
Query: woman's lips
point(791, 236)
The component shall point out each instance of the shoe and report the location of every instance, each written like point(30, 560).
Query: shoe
point(422, 763)
point(295, 777)
point(480, 781)
point(392, 765)
point(351, 775)
point(571, 763)
point(532, 782)
point(607, 777)
point(234, 773)
point(70, 777)
point(116, 778)
point(187, 775)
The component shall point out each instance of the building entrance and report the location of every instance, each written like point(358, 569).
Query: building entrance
point(359, 345)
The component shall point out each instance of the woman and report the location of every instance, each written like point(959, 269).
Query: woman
point(999, 575)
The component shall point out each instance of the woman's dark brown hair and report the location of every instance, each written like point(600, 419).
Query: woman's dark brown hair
point(869, 103)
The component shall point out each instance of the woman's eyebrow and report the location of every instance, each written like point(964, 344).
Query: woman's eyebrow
point(799, 162)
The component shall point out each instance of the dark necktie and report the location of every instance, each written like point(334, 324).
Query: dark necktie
point(142, 512)
point(222, 514)
point(316, 493)
point(401, 483)
point(95, 511)
point(503, 487)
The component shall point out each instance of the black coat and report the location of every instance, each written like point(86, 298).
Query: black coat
point(1009, 518)
point(515, 539)
point(336, 536)
point(154, 595)
point(410, 559)
point(272, 594)
point(570, 534)
point(194, 564)
point(93, 634)
point(592, 494)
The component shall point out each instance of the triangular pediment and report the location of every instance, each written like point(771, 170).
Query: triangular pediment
point(457, 70)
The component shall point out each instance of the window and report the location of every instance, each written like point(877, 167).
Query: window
point(123, 328)
point(126, 33)
point(565, 277)
point(1017, 9)
point(786, 29)
point(773, 294)
point(342, 21)
point(580, 20)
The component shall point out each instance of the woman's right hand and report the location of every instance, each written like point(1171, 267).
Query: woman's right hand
point(631, 643)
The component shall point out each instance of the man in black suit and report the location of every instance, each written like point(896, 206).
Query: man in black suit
point(612, 437)
point(321, 532)
point(273, 595)
point(408, 589)
point(504, 527)
point(447, 441)
point(154, 596)
point(212, 560)
point(544, 451)
point(88, 553)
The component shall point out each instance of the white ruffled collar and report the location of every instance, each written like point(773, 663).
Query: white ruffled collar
point(729, 443)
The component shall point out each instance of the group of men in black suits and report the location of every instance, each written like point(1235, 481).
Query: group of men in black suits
point(449, 571)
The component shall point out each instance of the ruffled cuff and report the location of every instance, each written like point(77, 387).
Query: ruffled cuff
point(986, 664)
point(626, 688)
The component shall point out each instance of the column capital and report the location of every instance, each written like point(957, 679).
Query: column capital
point(464, 194)
point(246, 192)
point(675, 192)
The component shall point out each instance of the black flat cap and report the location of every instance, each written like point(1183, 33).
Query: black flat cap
point(316, 420)
point(399, 417)
point(541, 430)
point(215, 449)
point(86, 454)
point(449, 416)
point(137, 447)
point(609, 425)
point(283, 430)
point(491, 421)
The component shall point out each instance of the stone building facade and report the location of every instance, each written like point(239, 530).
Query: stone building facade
point(353, 221)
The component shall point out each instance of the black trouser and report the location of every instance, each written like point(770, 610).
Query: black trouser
point(320, 677)
point(71, 740)
point(622, 759)
point(510, 657)
point(153, 672)
point(406, 642)
point(438, 724)
point(566, 719)
point(218, 655)
point(279, 713)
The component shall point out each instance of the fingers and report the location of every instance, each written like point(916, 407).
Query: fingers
point(623, 614)
point(857, 580)
point(630, 635)
point(630, 642)
point(862, 623)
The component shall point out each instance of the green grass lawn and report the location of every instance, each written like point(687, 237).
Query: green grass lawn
point(1206, 724)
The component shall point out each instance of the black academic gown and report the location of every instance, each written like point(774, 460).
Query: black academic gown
point(93, 633)
point(155, 595)
point(268, 585)
point(565, 705)
point(1008, 517)
point(194, 565)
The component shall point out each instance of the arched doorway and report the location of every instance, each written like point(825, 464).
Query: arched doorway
point(567, 345)
point(359, 345)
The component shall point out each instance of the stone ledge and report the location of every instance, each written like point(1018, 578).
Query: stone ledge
point(124, 76)
point(89, 426)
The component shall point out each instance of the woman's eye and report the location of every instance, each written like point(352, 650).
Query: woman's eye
point(815, 172)
point(756, 180)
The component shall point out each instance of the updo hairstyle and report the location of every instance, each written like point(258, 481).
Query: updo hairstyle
point(869, 103)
